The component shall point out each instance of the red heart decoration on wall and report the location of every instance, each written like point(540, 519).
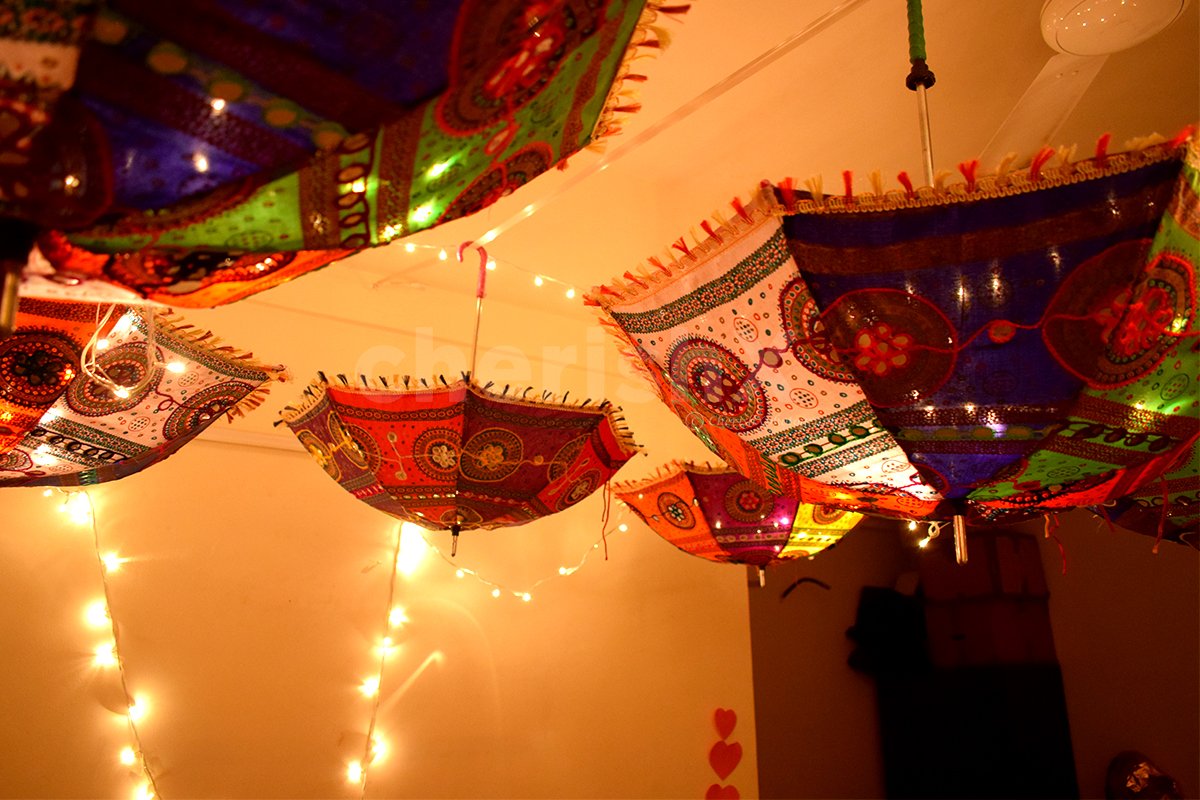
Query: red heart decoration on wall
point(718, 792)
point(726, 721)
point(724, 758)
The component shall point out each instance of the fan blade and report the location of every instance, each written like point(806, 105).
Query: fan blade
point(1043, 109)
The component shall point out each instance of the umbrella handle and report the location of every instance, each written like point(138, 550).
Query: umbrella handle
point(480, 291)
point(920, 77)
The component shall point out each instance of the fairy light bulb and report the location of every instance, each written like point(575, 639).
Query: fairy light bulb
point(144, 792)
point(102, 344)
point(369, 687)
point(354, 772)
point(526, 596)
point(359, 186)
point(105, 655)
point(218, 105)
point(200, 162)
point(77, 508)
point(379, 750)
point(423, 213)
point(397, 617)
point(438, 169)
point(622, 527)
point(138, 710)
point(413, 549)
point(538, 280)
point(571, 293)
point(410, 248)
point(121, 392)
point(458, 573)
point(496, 593)
point(491, 264)
point(95, 614)
point(176, 366)
point(112, 562)
point(128, 756)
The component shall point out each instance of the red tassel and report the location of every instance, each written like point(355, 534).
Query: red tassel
point(1162, 520)
point(848, 183)
point(740, 209)
point(1039, 161)
point(588, 300)
point(629, 276)
point(681, 246)
point(654, 262)
point(1102, 149)
point(635, 77)
point(632, 108)
point(906, 182)
point(968, 170)
point(1182, 136)
point(608, 290)
point(683, 9)
point(709, 230)
point(787, 188)
point(650, 43)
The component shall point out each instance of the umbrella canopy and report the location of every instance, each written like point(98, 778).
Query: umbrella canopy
point(171, 382)
point(1007, 345)
point(209, 150)
point(719, 515)
point(456, 456)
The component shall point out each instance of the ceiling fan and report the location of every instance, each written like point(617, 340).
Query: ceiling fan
point(1083, 33)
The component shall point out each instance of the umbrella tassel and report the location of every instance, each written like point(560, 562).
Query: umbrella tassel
point(848, 186)
point(455, 529)
point(907, 183)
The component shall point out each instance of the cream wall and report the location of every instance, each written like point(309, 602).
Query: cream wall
point(249, 611)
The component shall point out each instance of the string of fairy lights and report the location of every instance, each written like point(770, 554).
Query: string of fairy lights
point(410, 549)
point(98, 615)
point(539, 279)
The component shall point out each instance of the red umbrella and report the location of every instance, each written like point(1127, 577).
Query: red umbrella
point(457, 455)
point(719, 515)
point(149, 384)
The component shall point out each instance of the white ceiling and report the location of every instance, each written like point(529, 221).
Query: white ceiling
point(258, 580)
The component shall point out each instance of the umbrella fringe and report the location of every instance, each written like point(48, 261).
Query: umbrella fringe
point(669, 469)
point(316, 390)
point(647, 39)
point(1048, 168)
point(168, 323)
point(721, 230)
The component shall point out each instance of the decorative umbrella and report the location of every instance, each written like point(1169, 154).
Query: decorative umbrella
point(219, 148)
point(1009, 345)
point(457, 456)
point(717, 514)
point(148, 385)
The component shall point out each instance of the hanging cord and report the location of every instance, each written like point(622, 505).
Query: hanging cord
point(90, 366)
point(116, 634)
point(920, 77)
point(607, 499)
point(1050, 527)
point(368, 748)
point(480, 291)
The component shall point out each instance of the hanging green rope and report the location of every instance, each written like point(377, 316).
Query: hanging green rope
point(920, 74)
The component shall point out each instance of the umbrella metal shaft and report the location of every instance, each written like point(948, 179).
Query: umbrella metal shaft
point(9, 298)
point(926, 136)
point(475, 336)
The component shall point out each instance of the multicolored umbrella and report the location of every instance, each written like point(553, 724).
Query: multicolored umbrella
point(457, 456)
point(150, 385)
point(224, 147)
point(719, 515)
point(1015, 344)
